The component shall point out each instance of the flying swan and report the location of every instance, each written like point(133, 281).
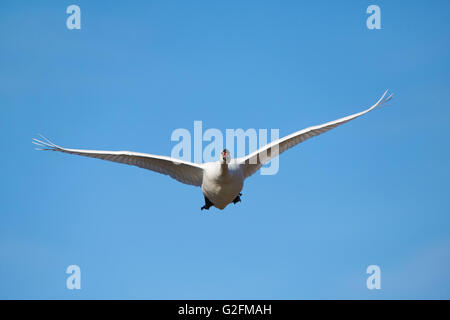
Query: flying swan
point(221, 181)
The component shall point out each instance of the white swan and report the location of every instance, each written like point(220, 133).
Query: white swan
point(221, 181)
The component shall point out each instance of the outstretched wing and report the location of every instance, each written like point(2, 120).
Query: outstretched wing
point(183, 171)
point(257, 159)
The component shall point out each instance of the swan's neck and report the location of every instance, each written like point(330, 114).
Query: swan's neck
point(224, 169)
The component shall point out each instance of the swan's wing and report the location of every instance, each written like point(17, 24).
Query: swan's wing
point(183, 171)
point(257, 159)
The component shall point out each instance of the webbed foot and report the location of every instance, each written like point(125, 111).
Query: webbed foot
point(208, 204)
point(237, 199)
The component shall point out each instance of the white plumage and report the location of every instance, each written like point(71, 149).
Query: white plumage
point(221, 181)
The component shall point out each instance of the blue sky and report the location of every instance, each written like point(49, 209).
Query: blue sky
point(374, 191)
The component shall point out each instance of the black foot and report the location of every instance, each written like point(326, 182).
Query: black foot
point(208, 204)
point(237, 199)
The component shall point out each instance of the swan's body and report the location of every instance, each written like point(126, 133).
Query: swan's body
point(221, 181)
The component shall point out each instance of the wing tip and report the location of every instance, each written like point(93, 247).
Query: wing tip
point(44, 145)
point(383, 100)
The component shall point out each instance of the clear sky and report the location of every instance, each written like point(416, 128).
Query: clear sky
point(372, 192)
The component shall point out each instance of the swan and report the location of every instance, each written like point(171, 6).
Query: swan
point(222, 181)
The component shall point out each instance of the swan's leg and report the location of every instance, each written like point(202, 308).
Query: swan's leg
point(207, 205)
point(237, 199)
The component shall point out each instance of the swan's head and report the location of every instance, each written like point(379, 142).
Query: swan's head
point(225, 156)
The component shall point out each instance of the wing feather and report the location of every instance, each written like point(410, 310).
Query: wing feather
point(183, 171)
point(257, 159)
